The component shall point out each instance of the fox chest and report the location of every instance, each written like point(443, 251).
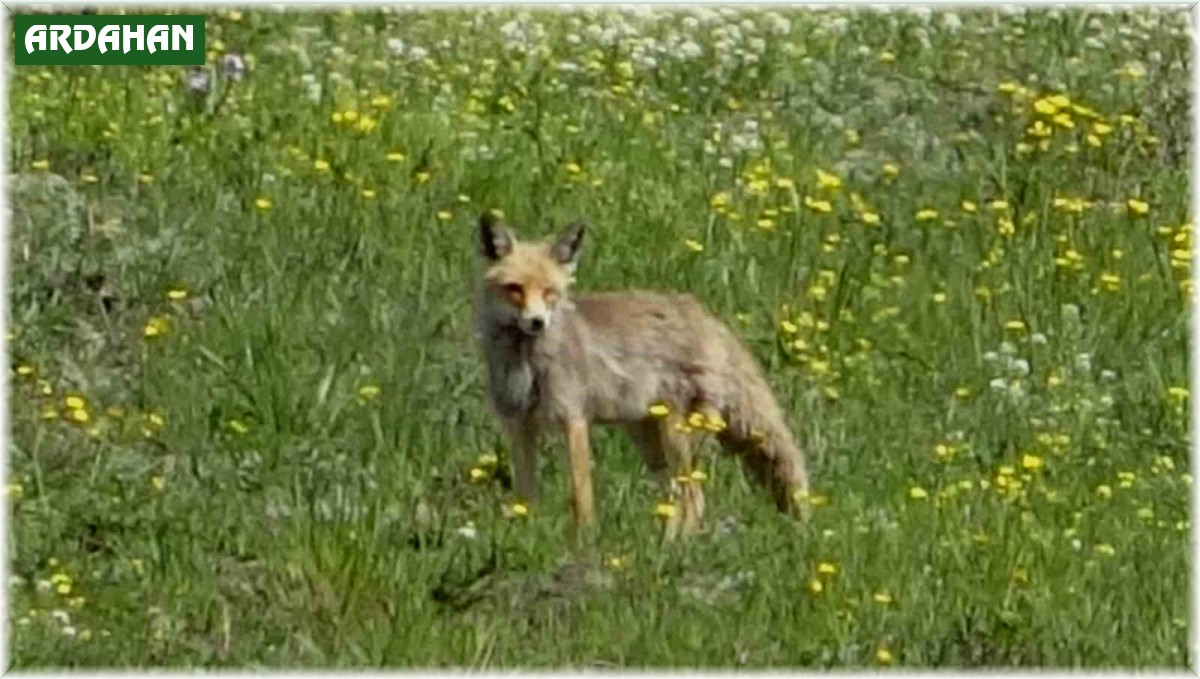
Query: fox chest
point(513, 388)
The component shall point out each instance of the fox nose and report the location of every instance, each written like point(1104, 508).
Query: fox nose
point(537, 324)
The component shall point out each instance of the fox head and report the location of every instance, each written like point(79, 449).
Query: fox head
point(526, 283)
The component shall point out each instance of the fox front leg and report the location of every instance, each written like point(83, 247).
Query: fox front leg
point(525, 461)
point(580, 461)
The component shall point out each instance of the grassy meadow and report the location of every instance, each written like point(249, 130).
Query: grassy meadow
point(247, 413)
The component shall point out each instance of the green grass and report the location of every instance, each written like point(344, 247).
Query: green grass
point(993, 401)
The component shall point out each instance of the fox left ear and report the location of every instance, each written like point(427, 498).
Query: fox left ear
point(567, 248)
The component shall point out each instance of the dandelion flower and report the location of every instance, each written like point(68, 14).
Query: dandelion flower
point(884, 656)
point(660, 410)
point(925, 215)
point(664, 510)
point(827, 180)
point(156, 327)
point(1137, 207)
point(368, 392)
point(1064, 120)
point(917, 493)
point(815, 205)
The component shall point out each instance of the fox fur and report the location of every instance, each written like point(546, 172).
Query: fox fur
point(558, 363)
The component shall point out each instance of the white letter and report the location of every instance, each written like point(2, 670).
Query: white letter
point(35, 38)
point(181, 32)
point(58, 38)
point(157, 38)
point(110, 38)
point(91, 36)
point(133, 33)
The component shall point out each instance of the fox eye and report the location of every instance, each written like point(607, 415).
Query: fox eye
point(514, 291)
point(551, 296)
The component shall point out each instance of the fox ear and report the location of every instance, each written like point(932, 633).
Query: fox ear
point(567, 248)
point(495, 241)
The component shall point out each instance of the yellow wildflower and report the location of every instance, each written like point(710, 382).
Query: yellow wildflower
point(157, 326)
point(828, 180)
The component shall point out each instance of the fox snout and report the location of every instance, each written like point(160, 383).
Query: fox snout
point(535, 315)
point(534, 325)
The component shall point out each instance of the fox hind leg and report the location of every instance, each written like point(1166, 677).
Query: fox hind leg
point(667, 450)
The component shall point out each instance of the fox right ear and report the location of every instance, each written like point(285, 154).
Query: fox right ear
point(495, 241)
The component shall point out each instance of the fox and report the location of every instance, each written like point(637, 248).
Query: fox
point(656, 364)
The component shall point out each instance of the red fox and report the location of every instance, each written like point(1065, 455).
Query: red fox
point(656, 364)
